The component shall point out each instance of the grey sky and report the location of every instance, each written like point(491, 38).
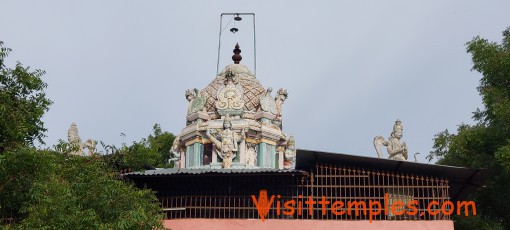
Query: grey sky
point(351, 67)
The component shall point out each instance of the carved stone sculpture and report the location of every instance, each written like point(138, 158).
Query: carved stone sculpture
point(227, 145)
point(267, 103)
point(195, 99)
point(251, 155)
point(290, 153)
point(230, 96)
point(175, 152)
point(396, 149)
point(416, 159)
point(75, 142)
point(90, 145)
point(280, 98)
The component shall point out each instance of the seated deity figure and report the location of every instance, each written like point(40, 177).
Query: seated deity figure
point(227, 145)
point(396, 149)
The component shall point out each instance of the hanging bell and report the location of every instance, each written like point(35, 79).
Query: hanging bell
point(237, 18)
point(234, 30)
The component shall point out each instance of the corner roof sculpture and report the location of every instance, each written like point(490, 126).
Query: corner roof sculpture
point(396, 149)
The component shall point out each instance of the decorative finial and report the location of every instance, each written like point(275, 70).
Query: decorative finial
point(237, 56)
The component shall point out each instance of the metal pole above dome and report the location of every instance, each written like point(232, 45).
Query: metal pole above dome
point(236, 17)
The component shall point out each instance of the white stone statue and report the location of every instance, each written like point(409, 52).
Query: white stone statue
point(290, 153)
point(195, 99)
point(415, 158)
point(227, 145)
point(396, 150)
point(251, 155)
point(280, 98)
point(90, 145)
point(75, 142)
point(175, 152)
point(267, 103)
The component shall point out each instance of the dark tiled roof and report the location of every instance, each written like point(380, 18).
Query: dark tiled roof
point(173, 171)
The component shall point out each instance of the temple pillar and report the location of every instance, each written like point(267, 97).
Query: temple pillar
point(194, 155)
point(261, 155)
point(271, 156)
point(266, 156)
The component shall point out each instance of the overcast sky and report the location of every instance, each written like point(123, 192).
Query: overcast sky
point(351, 67)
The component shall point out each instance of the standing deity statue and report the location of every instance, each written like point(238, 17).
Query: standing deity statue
point(290, 153)
point(281, 96)
point(396, 149)
point(227, 145)
point(75, 142)
point(251, 155)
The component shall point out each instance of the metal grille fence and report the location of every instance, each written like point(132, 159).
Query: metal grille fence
point(228, 196)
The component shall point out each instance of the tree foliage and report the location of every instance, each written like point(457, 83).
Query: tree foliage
point(47, 189)
point(153, 151)
point(487, 143)
point(22, 104)
point(161, 142)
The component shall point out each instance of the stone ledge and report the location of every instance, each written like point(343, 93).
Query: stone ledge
point(198, 115)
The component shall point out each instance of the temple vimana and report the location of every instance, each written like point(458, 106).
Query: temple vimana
point(234, 122)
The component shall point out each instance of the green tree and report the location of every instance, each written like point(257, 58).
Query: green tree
point(162, 143)
point(17, 177)
point(22, 104)
point(49, 190)
point(487, 143)
point(153, 151)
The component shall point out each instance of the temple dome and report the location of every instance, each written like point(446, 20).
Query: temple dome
point(236, 69)
point(251, 87)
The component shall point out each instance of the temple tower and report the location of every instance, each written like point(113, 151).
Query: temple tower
point(234, 122)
